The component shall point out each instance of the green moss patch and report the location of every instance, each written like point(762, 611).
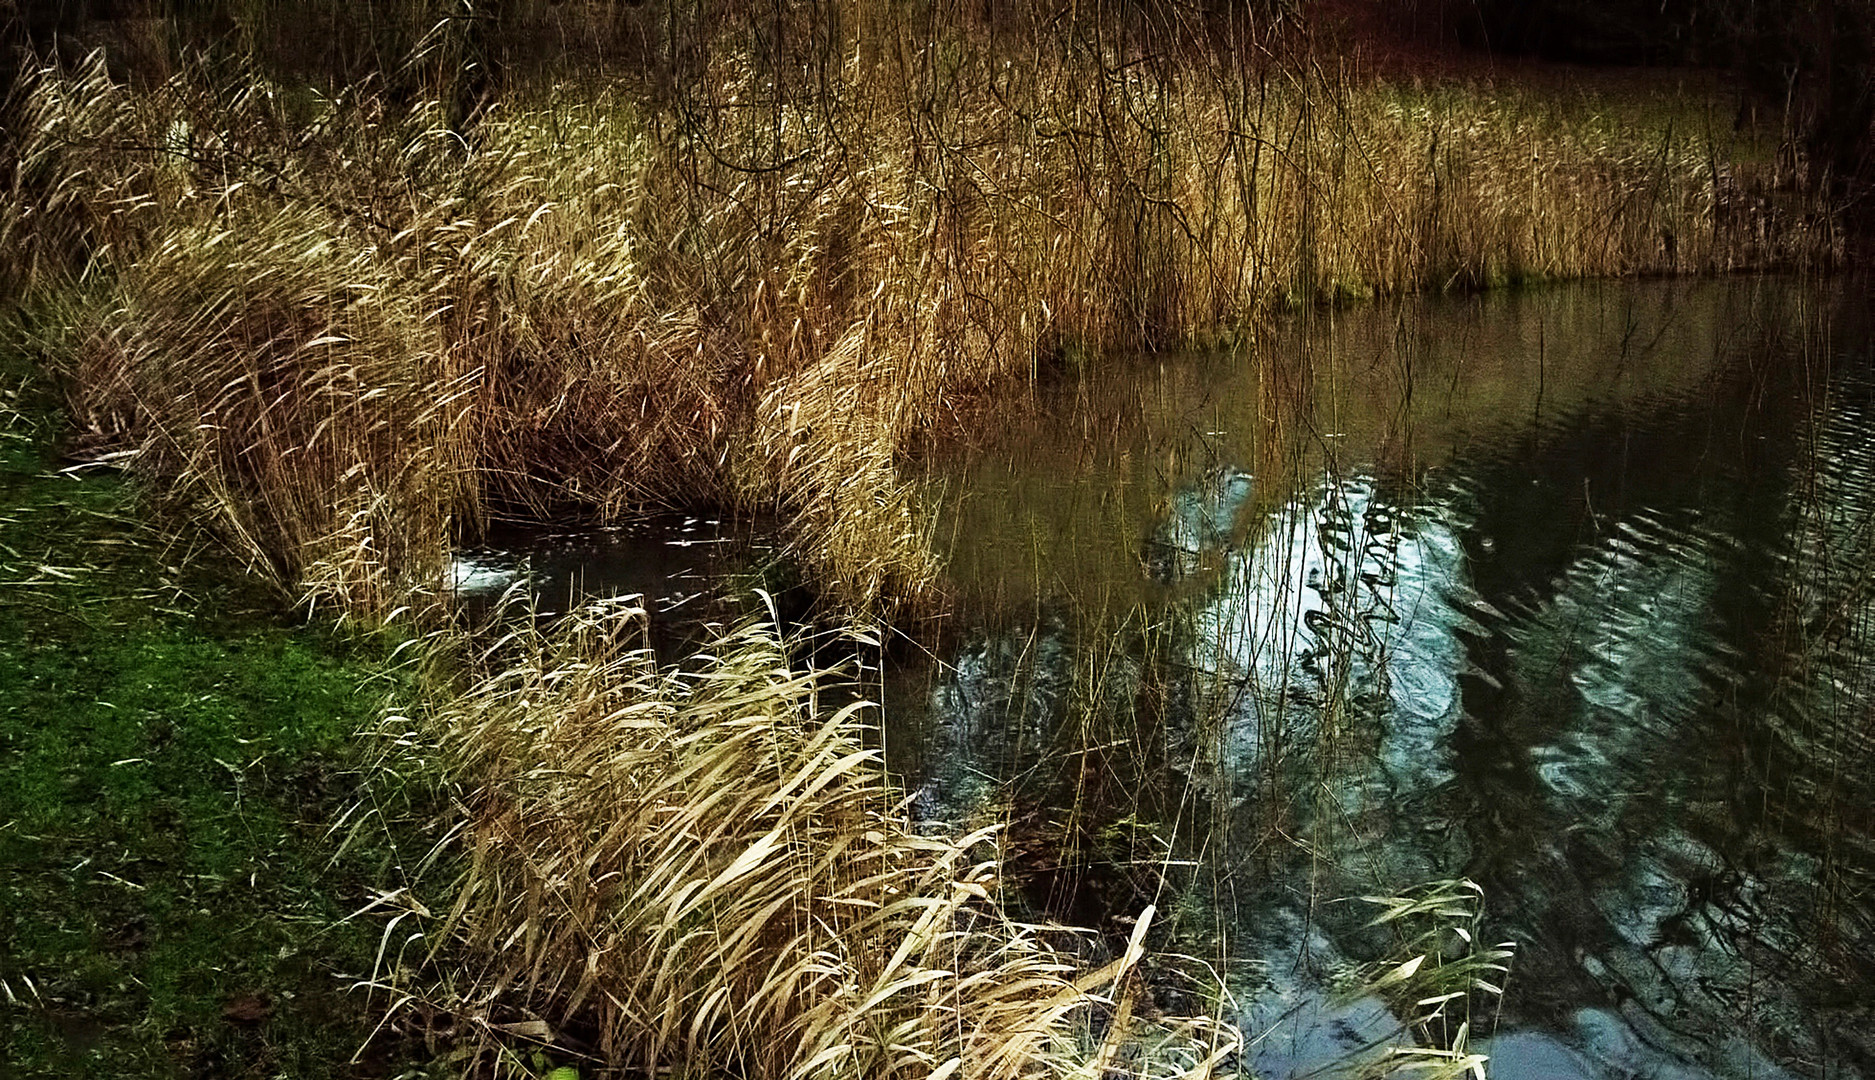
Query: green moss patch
point(172, 758)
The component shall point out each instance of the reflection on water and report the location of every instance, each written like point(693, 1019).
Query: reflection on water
point(1566, 592)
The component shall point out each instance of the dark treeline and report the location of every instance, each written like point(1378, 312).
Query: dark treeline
point(1808, 63)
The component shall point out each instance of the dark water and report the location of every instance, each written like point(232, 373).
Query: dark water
point(685, 569)
point(1565, 592)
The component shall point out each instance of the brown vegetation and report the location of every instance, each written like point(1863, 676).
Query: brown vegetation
point(349, 323)
point(350, 329)
point(703, 870)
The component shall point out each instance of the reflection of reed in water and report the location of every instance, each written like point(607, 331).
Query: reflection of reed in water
point(1332, 622)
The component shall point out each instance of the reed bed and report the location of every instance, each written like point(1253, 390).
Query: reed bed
point(762, 270)
point(702, 870)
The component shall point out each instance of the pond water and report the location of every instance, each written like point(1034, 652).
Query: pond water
point(684, 568)
point(1565, 592)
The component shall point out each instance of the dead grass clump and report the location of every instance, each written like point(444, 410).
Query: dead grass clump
point(291, 393)
point(826, 452)
point(702, 870)
point(68, 191)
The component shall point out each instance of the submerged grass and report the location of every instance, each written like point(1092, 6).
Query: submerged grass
point(1443, 979)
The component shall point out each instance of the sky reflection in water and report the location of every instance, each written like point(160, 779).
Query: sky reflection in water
point(1567, 592)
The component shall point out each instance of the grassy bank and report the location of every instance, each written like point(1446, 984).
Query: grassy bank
point(345, 328)
point(214, 869)
point(171, 760)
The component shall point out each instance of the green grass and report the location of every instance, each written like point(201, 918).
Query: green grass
point(171, 756)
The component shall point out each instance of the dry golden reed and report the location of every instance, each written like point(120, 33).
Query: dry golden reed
point(702, 870)
point(761, 270)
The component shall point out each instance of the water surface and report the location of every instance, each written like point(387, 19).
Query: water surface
point(1566, 592)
